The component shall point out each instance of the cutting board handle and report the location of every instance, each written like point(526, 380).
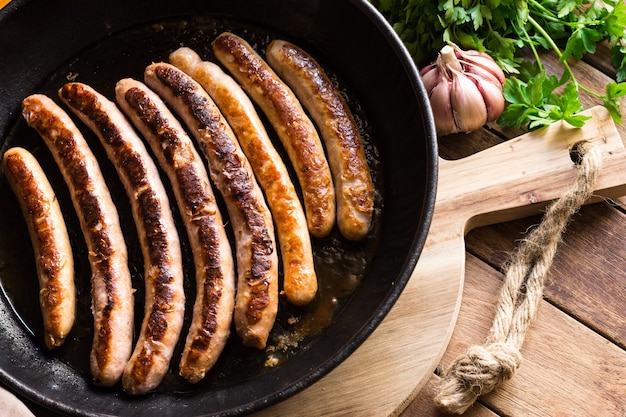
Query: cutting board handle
point(519, 177)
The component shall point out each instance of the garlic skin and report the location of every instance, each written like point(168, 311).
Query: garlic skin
point(464, 89)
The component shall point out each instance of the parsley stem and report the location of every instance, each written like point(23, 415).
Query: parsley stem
point(544, 12)
point(554, 47)
point(532, 47)
point(541, 10)
point(569, 24)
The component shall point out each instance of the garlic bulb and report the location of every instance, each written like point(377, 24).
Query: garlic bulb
point(464, 88)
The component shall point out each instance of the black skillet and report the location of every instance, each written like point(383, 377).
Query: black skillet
point(43, 44)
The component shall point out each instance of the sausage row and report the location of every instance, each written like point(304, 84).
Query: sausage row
point(241, 162)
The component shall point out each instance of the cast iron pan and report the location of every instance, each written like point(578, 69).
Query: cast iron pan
point(44, 44)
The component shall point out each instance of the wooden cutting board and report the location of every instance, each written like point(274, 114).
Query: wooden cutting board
point(514, 179)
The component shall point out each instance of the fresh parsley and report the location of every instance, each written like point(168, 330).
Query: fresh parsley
point(512, 31)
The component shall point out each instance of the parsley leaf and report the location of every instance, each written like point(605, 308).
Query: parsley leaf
point(534, 102)
point(583, 40)
point(613, 92)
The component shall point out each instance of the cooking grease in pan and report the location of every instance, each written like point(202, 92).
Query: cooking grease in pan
point(340, 264)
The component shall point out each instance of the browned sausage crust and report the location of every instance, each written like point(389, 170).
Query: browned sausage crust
point(112, 294)
point(300, 280)
point(51, 243)
point(353, 182)
point(257, 264)
point(214, 264)
point(163, 272)
point(294, 128)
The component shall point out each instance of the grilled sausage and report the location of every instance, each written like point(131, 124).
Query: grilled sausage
point(163, 275)
point(300, 281)
point(214, 264)
point(112, 294)
point(256, 301)
point(353, 182)
point(51, 243)
point(294, 128)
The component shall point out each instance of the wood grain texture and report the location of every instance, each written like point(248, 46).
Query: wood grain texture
point(560, 375)
point(567, 368)
point(588, 280)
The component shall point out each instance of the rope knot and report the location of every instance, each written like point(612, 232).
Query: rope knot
point(480, 370)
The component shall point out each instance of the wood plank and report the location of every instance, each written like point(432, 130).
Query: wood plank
point(567, 369)
point(460, 145)
point(587, 279)
point(601, 59)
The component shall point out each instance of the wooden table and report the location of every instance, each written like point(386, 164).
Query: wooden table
point(574, 357)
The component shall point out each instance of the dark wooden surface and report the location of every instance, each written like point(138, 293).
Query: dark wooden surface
point(574, 358)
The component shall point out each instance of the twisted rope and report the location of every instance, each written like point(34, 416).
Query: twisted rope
point(483, 368)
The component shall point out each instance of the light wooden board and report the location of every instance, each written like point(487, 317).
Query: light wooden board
point(511, 180)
